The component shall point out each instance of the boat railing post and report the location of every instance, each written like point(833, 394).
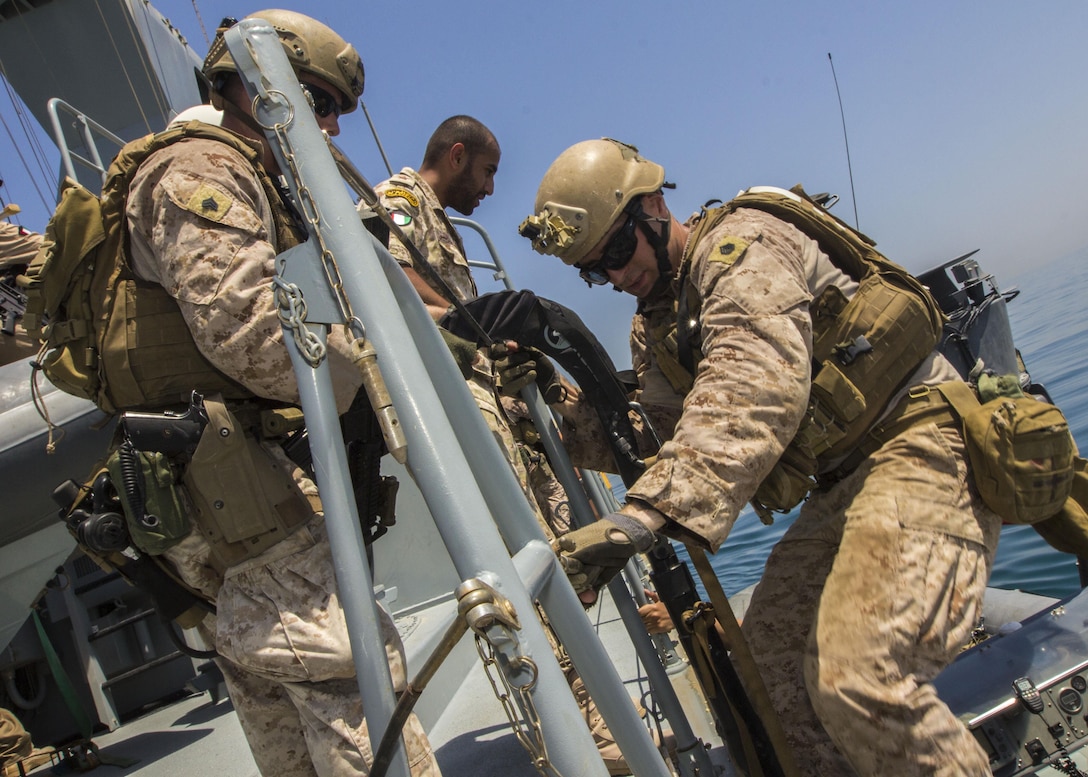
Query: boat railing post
point(495, 265)
point(446, 436)
point(248, 47)
point(89, 130)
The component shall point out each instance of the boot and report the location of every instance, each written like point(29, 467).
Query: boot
point(598, 728)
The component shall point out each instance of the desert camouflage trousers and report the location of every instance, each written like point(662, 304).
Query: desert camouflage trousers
point(549, 503)
point(286, 657)
point(872, 591)
point(289, 667)
point(543, 491)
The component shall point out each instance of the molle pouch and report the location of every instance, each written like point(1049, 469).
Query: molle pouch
point(866, 350)
point(785, 486)
point(834, 404)
point(1021, 452)
point(152, 501)
point(243, 501)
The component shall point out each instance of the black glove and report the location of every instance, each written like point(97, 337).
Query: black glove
point(464, 351)
point(594, 554)
point(514, 370)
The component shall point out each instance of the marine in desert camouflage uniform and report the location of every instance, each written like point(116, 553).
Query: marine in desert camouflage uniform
point(202, 227)
point(879, 581)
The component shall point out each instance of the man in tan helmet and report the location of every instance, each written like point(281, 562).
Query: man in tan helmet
point(205, 222)
point(762, 357)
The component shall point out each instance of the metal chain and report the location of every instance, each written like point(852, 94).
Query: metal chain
point(530, 734)
point(296, 311)
point(291, 308)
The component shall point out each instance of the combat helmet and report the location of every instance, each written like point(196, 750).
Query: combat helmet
point(311, 47)
point(583, 193)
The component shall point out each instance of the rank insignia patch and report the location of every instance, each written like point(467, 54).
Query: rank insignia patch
point(210, 203)
point(729, 250)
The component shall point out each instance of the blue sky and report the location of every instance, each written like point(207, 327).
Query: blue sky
point(966, 120)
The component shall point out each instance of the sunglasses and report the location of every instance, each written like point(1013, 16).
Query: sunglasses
point(323, 103)
point(615, 256)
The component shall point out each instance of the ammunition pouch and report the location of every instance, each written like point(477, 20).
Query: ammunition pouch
point(866, 347)
point(243, 501)
point(1021, 452)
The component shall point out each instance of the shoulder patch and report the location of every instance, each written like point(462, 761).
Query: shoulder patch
point(210, 203)
point(404, 194)
point(400, 218)
point(729, 250)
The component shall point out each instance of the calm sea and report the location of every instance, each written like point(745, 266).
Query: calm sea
point(1050, 328)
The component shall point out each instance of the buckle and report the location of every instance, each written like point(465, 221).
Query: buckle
point(917, 392)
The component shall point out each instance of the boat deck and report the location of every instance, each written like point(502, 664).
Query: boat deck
point(471, 735)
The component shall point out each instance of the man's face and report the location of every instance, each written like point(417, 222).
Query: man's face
point(474, 181)
point(326, 102)
point(638, 275)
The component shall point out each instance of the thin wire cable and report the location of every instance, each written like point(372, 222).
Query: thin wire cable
point(124, 69)
point(33, 142)
point(200, 21)
point(849, 167)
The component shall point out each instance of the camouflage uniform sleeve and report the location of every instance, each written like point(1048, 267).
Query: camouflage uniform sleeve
point(587, 444)
point(404, 206)
point(200, 226)
point(17, 245)
point(584, 438)
point(751, 386)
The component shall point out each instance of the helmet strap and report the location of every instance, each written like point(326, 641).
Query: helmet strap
point(228, 107)
point(659, 242)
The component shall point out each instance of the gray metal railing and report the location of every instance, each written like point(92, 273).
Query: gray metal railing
point(89, 132)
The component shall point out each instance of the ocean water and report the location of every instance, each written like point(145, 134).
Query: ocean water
point(1050, 327)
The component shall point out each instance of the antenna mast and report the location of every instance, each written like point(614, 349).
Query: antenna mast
point(374, 132)
point(846, 140)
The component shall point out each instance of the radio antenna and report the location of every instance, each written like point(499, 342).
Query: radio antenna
point(374, 132)
point(846, 140)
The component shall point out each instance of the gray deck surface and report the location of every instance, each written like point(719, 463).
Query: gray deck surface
point(472, 737)
point(187, 738)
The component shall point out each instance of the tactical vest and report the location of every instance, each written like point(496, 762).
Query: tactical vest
point(107, 335)
point(864, 347)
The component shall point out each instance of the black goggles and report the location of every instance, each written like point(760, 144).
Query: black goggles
point(323, 103)
point(615, 256)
